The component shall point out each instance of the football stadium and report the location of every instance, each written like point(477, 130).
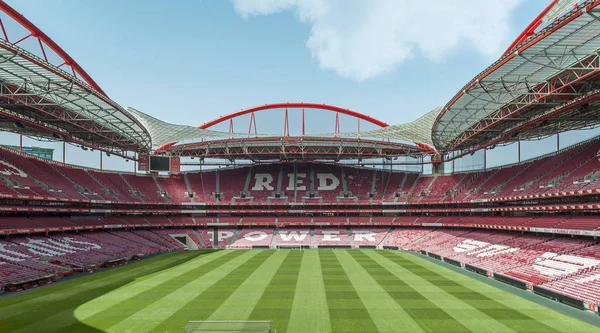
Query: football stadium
point(224, 228)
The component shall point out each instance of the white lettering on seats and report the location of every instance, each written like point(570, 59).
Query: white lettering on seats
point(40, 247)
point(562, 264)
point(482, 249)
point(469, 245)
point(223, 235)
point(255, 236)
point(494, 250)
point(298, 184)
point(327, 182)
point(361, 236)
point(594, 277)
point(331, 236)
point(87, 245)
point(7, 254)
point(14, 171)
point(293, 235)
point(65, 245)
point(262, 181)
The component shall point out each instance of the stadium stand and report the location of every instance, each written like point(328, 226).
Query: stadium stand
point(329, 237)
point(368, 237)
point(253, 237)
point(293, 237)
point(572, 169)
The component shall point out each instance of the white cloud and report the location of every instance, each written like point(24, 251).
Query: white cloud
point(360, 39)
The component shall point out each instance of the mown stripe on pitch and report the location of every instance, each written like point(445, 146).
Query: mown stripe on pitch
point(386, 312)
point(309, 310)
point(240, 304)
point(137, 296)
point(205, 304)
point(158, 312)
point(29, 300)
point(57, 306)
point(347, 313)
point(425, 313)
point(275, 304)
point(465, 314)
point(554, 319)
point(510, 317)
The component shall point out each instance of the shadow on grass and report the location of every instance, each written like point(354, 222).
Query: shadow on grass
point(54, 306)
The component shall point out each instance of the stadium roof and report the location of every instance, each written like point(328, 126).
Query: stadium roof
point(41, 99)
point(545, 85)
point(414, 138)
point(163, 133)
point(547, 82)
point(418, 131)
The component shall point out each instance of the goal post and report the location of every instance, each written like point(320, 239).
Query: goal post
point(229, 326)
point(291, 247)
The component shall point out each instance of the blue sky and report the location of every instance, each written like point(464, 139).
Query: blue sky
point(190, 61)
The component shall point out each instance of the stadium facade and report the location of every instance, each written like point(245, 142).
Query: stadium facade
point(296, 190)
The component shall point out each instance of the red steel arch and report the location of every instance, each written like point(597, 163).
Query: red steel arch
point(530, 29)
point(295, 105)
point(36, 32)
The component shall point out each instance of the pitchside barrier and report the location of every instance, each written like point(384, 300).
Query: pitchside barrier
point(559, 298)
point(452, 262)
point(511, 281)
point(367, 246)
point(229, 326)
point(476, 270)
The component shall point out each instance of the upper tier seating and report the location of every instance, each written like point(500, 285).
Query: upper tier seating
point(573, 169)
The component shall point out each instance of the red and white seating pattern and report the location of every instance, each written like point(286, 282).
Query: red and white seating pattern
point(331, 237)
point(402, 237)
point(249, 237)
point(585, 287)
point(224, 237)
point(571, 169)
point(30, 258)
point(293, 236)
point(368, 236)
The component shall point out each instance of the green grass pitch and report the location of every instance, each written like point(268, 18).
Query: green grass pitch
point(300, 291)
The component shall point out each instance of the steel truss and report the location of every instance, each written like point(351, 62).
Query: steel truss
point(545, 72)
point(293, 148)
point(89, 125)
point(48, 102)
point(527, 101)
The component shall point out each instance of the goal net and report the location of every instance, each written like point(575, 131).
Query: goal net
point(229, 326)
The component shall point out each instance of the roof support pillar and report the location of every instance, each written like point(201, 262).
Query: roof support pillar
point(484, 159)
